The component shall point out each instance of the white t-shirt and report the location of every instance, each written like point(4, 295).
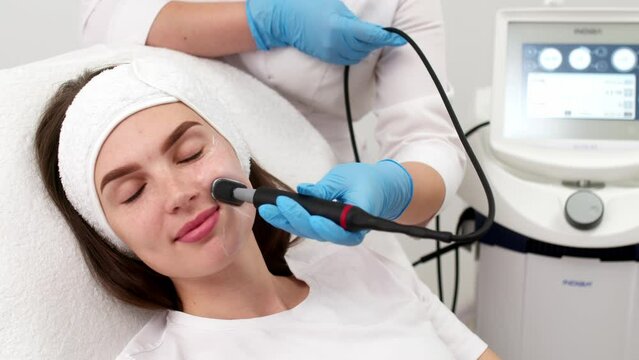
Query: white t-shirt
point(361, 305)
point(412, 122)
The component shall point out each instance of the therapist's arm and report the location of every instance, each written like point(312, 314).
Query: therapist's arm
point(202, 29)
point(428, 194)
point(488, 355)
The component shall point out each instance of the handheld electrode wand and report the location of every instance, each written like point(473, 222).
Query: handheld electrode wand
point(349, 217)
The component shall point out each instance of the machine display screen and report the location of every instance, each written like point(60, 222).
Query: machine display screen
point(570, 82)
point(580, 81)
point(565, 94)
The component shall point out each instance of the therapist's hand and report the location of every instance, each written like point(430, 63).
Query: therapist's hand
point(325, 29)
point(383, 189)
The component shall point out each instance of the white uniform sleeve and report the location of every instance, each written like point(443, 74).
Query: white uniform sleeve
point(413, 124)
point(125, 22)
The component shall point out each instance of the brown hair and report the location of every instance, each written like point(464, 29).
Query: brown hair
point(130, 279)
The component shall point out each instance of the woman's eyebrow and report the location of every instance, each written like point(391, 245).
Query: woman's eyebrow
point(176, 134)
point(119, 172)
point(168, 143)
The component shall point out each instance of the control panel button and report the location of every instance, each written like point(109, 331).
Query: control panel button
point(584, 210)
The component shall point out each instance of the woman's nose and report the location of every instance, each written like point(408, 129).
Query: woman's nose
point(180, 195)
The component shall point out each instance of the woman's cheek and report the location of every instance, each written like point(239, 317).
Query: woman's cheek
point(217, 163)
point(236, 228)
point(139, 221)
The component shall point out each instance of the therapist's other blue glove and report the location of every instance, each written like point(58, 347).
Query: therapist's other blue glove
point(383, 189)
point(325, 29)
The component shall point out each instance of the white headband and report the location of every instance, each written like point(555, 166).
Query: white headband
point(112, 96)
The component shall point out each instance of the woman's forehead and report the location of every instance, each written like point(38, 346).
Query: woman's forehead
point(148, 131)
point(154, 125)
point(165, 116)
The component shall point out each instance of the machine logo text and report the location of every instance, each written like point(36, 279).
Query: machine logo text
point(588, 31)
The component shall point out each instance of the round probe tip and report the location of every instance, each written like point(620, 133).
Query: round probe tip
point(222, 190)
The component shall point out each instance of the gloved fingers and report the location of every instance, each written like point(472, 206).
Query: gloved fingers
point(296, 215)
point(375, 35)
point(272, 215)
point(313, 190)
point(326, 229)
point(348, 57)
point(342, 55)
point(289, 216)
point(361, 199)
point(356, 47)
point(324, 189)
point(351, 57)
point(359, 47)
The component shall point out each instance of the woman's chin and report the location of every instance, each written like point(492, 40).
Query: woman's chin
point(208, 255)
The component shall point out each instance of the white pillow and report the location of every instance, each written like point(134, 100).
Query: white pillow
point(50, 306)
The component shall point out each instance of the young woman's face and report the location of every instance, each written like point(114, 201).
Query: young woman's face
point(170, 156)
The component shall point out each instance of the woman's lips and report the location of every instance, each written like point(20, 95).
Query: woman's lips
point(200, 227)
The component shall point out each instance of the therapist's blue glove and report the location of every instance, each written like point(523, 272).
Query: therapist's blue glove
point(384, 189)
point(325, 29)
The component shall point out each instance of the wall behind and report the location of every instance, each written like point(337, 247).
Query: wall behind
point(33, 30)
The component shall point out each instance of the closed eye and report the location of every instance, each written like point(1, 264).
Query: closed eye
point(139, 192)
point(135, 195)
point(190, 158)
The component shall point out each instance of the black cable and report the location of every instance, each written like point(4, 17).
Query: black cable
point(414, 230)
point(456, 249)
point(458, 240)
point(434, 254)
point(443, 251)
point(475, 128)
point(439, 265)
point(468, 214)
point(349, 116)
point(456, 288)
point(455, 246)
point(447, 249)
point(491, 201)
point(452, 247)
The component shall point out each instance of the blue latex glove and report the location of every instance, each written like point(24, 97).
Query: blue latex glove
point(325, 29)
point(384, 189)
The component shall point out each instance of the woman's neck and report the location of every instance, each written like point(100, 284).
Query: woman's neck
point(244, 289)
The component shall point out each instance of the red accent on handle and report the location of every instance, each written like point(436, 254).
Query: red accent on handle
point(342, 217)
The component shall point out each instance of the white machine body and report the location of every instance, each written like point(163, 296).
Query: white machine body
point(532, 307)
point(564, 119)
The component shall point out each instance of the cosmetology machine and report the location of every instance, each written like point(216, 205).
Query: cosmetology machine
point(558, 274)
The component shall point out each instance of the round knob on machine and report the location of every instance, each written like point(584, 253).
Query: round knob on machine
point(584, 210)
